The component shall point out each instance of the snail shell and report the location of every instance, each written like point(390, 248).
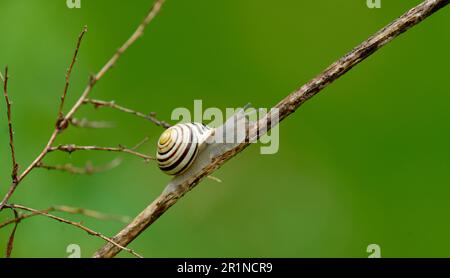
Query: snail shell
point(179, 145)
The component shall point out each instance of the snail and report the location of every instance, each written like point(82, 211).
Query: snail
point(183, 150)
point(179, 146)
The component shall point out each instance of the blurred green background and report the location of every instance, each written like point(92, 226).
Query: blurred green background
point(366, 161)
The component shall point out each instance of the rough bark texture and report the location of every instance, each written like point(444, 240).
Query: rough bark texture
point(286, 107)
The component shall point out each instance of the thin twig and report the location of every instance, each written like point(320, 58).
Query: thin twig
point(65, 121)
point(15, 166)
point(286, 107)
point(140, 144)
point(73, 148)
point(71, 210)
point(75, 224)
point(110, 64)
point(85, 123)
point(88, 169)
point(19, 217)
point(92, 213)
point(68, 73)
point(10, 244)
point(111, 104)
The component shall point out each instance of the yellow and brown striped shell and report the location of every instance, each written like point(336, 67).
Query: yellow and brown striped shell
point(179, 145)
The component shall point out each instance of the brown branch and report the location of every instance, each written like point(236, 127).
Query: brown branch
point(19, 217)
point(88, 169)
point(75, 224)
point(134, 37)
point(25, 173)
point(68, 73)
point(15, 166)
point(10, 244)
point(111, 104)
point(71, 210)
point(62, 124)
point(73, 148)
point(286, 107)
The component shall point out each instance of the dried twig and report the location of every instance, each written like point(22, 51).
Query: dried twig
point(72, 210)
point(111, 104)
point(15, 166)
point(140, 144)
point(287, 106)
point(75, 224)
point(91, 213)
point(62, 123)
point(134, 37)
point(10, 244)
point(18, 217)
point(73, 148)
point(88, 169)
point(68, 73)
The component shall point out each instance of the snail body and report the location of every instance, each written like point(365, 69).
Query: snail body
point(179, 146)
